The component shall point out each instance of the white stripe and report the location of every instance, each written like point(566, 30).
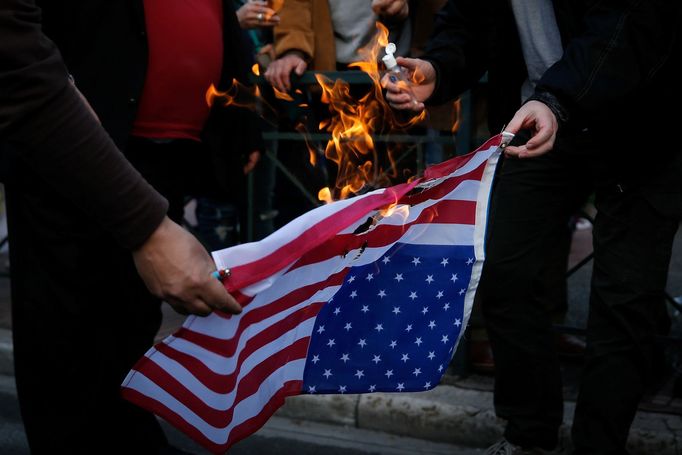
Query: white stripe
point(250, 252)
point(247, 408)
point(224, 401)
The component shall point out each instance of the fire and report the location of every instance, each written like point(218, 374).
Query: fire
point(242, 96)
point(354, 121)
point(456, 114)
point(325, 195)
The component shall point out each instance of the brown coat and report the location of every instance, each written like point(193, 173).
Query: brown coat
point(307, 28)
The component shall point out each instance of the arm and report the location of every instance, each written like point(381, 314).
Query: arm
point(43, 115)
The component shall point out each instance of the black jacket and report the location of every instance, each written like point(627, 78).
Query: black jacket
point(616, 65)
point(104, 45)
point(52, 131)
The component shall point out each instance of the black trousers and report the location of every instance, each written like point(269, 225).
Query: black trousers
point(532, 200)
point(81, 316)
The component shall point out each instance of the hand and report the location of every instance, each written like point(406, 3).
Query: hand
point(279, 71)
point(397, 9)
point(177, 268)
point(250, 165)
point(543, 124)
point(257, 14)
point(423, 77)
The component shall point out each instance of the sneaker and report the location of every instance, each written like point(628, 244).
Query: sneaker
point(505, 447)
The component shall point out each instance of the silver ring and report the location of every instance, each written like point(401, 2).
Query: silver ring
point(260, 17)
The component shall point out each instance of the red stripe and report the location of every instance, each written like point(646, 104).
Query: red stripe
point(253, 272)
point(247, 387)
point(225, 383)
point(247, 428)
point(443, 212)
point(449, 166)
point(442, 189)
point(228, 347)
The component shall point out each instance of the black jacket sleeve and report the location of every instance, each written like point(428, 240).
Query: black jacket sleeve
point(614, 61)
point(50, 126)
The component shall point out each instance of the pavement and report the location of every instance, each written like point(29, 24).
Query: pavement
point(460, 410)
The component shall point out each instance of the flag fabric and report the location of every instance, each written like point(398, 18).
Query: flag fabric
point(369, 294)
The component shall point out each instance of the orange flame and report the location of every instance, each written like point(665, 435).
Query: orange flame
point(456, 115)
point(255, 69)
point(354, 122)
point(242, 96)
point(325, 195)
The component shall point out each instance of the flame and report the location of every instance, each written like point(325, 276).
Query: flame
point(456, 115)
point(276, 4)
point(242, 96)
point(255, 69)
point(325, 195)
point(355, 120)
point(280, 95)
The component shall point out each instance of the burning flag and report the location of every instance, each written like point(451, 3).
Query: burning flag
point(367, 294)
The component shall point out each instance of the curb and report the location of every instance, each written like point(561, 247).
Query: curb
point(448, 414)
point(6, 355)
point(460, 416)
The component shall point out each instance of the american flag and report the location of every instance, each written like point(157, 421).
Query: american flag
point(363, 295)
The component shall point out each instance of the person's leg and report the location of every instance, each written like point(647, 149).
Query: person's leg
point(632, 244)
point(532, 200)
point(81, 318)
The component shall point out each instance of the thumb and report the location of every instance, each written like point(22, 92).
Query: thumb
point(301, 67)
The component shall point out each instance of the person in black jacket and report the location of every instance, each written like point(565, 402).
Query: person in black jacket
point(81, 315)
point(595, 78)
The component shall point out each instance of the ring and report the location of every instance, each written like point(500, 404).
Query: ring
point(260, 17)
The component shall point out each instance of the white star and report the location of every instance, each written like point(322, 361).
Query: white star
point(418, 341)
point(417, 371)
point(379, 327)
point(327, 373)
point(362, 343)
point(393, 344)
point(365, 308)
point(425, 310)
point(337, 310)
point(311, 389)
point(348, 326)
point(396, 310)
point(429, 279)
point(369, 277)
point(353, 294)
point(470, 261)
point(359, 373)
point(431, 355)
point(462, 291)
point(445, 261)
point(457, 322)
point(446, 307)
point(386, 260)
point(444, 339)
point(401, 386)
point(388, 373)
point(432, 324)
point(439, 295)
point(331, 342)
point(372, 388)
point(440, 368)
point(376, 359)
point(405, 358)
point(416, 261)
point(454, 278)
point(398, 277)
point(427, 385)
point(342, 389)
point(413, 295)
point(316, 358)
point(408, 328)
point(382, 293)
point(345, 358)
point(320, 329)
point(351, 279)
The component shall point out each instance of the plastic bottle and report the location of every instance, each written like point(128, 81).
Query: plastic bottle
point(396, 72)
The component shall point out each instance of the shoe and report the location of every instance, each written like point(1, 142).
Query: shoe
point(505, 447)
point(569, 345)
point(481, 356)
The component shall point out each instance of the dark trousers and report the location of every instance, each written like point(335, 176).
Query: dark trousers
point(81, 316)
point(532, 201)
